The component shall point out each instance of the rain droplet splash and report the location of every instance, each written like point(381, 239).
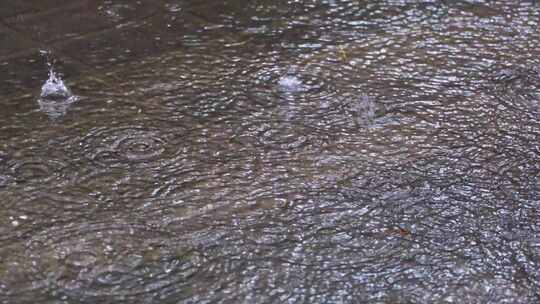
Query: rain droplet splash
point(290, 83)
point(364, 110)
point(55, 96)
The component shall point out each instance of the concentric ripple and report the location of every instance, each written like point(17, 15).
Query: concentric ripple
point(39, 170)
point(305, 81)
point(130, 146)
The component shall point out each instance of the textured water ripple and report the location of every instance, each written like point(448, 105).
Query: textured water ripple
point(29, 211)
point(289, 151)
point(136, 146)
point(114, 260)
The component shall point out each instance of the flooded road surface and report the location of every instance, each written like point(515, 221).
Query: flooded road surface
point(269, 151)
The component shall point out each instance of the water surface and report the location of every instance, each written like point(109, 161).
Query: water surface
point(271, 152)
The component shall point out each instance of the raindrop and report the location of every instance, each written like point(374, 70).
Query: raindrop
point(55, 97)
point(364, 110)
point(290, 83)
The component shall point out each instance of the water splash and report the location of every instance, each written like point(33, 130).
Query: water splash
point(55, 97)
point(54, 88)
point(290, 83)
point(364, 110)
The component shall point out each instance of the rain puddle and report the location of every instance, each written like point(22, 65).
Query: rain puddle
point(269, 152)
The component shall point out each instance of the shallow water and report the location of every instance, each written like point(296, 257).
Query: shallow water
point(271, 152)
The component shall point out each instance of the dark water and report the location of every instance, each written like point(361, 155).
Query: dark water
point(270, 152)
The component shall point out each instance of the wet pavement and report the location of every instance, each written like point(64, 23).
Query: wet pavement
point(269, 151)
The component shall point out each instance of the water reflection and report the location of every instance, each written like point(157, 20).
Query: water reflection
point(289, 151)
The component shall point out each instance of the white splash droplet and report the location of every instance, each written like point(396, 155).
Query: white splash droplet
point(290, 83)
point(54, 88)
point(55, 96)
